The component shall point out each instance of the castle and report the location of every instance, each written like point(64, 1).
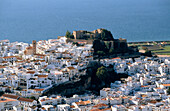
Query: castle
point(82, 34)
point(119, 45)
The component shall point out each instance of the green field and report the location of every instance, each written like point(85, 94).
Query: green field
point(154, 47)
point(164, 51)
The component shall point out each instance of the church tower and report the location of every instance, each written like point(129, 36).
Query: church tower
point(34, 46)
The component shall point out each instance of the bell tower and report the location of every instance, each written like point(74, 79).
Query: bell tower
point(34, 46)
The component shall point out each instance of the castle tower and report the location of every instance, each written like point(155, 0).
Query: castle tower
point(34, 46)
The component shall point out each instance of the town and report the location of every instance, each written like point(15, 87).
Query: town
point(27, 71)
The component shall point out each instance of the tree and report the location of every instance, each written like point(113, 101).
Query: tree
point(7, 90)
point(72, 36)
point(106, 35)
point(76, 43)
point(111, 51)
point(32, 97)
point(100, 53)
point(63, 101)
point(108, 45)
point(148, 53)
point(69, 35)
point(1, 93)
point(18, 88)
point(102, 73)
point(168, 91)
point(99, 46)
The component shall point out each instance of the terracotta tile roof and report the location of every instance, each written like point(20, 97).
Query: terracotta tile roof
point(31, 72)
point(13, 74)
point(153, 101)
point(39, 61)
point(19, 61)
point(2, 99)
point(125, 97)
point(101, 109)
point(88, 56)
point(114, 98)
point(104, 99)
point(9, 57)
point(2, 66)
point(83, 102)
point(144, 86)
point(38, 89)
point(72, 106)
point(25, 99)
point(143, 95)
point(40, 55)
point(58, 73)
point(43, 108)
point(71, 68)
point(166, 84)
point(128, 63)
point(158, 88)
point(42, 76)
point(95, 110)
point(45, 66)
point(100, 105)
point(116, 58)
point(119, 91)
point(10, 96)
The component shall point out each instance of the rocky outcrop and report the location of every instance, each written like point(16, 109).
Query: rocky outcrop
point(70, 88)
point(86, 82)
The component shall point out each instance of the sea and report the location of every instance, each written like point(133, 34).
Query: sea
point(135, 20)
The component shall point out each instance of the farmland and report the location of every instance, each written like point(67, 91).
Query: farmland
point(157, 48)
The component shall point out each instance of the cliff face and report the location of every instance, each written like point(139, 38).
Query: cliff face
point(70, 88)
point(77, 88)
